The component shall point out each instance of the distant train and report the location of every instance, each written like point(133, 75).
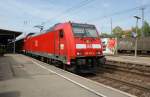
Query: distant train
point(127, 45)
point(77, 47)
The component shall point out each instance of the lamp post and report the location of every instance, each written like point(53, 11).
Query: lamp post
point(137, 18)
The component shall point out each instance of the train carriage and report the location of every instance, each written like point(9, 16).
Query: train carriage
point(127, 45)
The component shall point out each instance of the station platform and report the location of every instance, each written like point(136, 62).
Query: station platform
point(129, 59)
point(22, 76)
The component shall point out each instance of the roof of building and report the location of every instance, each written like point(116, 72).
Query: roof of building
point(7, 35)
point(9, 32)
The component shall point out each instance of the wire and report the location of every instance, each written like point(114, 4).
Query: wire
point(120, 12)
point(71, 9)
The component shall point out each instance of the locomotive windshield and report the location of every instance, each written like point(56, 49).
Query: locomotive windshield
point(84, 30)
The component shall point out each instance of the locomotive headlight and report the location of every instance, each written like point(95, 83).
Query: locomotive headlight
point(98, 53)
point(79, 53)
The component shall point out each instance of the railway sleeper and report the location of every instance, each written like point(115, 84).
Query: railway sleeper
point(133, 84)
point(125, 69)
point(138, 67)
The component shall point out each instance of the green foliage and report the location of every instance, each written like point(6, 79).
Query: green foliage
point(106, 35)
point(117, 31)
point(128, 33)
point(146, 29)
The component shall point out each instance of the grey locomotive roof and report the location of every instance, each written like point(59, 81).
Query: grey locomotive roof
point(83, 25)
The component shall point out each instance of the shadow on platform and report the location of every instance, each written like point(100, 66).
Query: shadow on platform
point(10, 94)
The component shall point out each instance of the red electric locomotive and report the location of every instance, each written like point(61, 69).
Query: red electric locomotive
point(77, 46)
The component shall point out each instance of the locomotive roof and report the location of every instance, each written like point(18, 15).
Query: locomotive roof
point(73, 24)
point(83, 25)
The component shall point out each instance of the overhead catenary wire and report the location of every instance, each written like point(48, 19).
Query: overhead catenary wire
point(84, 3)
point(71, 9)
point(118, 13)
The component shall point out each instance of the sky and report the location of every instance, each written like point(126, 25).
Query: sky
point(23, 15)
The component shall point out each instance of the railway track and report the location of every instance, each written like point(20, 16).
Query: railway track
point(143, 88)
point(133, 81)
point(143, 70)
point(124, 86)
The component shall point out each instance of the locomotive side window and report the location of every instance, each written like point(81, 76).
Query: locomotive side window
point(61, 33)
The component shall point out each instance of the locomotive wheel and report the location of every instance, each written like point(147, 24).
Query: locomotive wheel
point(71, 68)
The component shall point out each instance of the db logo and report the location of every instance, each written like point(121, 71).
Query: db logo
point(89, 45)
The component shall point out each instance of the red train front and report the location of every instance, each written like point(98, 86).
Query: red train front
point(76, 46)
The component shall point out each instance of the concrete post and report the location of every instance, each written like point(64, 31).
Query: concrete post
point(116, 46)
point(137, 18)
point(14, 44)
point(135, 47)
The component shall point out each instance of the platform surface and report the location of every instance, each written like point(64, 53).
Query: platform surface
point(130, 59)
point(22, 76)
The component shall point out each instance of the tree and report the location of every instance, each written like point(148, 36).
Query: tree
point(117, 31)
point(127, 33)
point(105, 35)
point(146, 29)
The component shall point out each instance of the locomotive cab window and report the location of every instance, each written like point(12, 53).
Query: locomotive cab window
point(84, 30)
point(61, 33)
